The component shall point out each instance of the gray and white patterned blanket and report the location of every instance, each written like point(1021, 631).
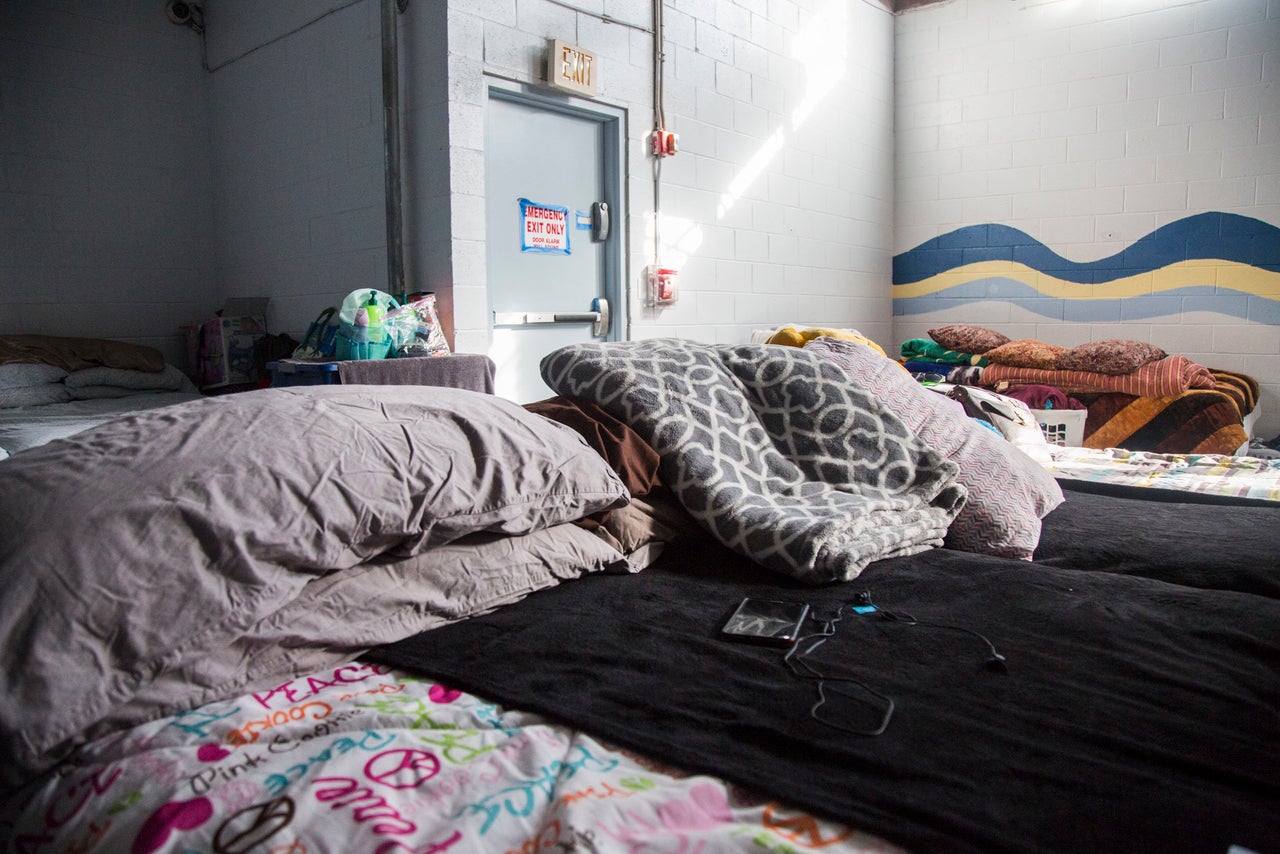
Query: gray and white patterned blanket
point(776, 451)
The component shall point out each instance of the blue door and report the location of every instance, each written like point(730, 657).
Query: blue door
point(552, 229)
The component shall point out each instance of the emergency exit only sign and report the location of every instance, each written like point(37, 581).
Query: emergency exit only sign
point(544, 228)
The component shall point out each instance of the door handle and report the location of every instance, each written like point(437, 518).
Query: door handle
point(599, 221)
point(598, 317)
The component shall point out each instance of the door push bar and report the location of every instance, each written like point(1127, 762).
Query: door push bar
point(598, 317)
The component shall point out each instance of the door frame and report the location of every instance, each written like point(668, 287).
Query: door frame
point(613, 121)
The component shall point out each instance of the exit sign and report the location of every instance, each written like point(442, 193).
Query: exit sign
point(571, 68)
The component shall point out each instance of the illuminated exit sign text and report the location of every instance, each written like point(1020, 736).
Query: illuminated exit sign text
point(571, 68)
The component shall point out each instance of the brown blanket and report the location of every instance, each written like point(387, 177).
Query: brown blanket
point(1241, 388)
point(1199, 421)
point(622, 448)
point(74, 354)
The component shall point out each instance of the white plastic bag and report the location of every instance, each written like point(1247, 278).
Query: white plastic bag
point(415, 327)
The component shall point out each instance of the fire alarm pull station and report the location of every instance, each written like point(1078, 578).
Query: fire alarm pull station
point(662, 285)
point(665, 143)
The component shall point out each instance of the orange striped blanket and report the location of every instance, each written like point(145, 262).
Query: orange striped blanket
point(1172, 375)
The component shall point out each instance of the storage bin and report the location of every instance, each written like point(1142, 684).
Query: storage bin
point(288, 372)
point(353, 342)
point(1063, 427)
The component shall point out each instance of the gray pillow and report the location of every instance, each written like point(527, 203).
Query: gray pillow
point(1009, 492)
point(341, 615)
point(130, 549)
point(34, 395)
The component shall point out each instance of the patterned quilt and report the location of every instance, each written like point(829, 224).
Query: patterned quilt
point(1205, 474)
point(365, 758)
point(774, 450)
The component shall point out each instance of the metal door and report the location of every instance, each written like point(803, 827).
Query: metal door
point(552, 230)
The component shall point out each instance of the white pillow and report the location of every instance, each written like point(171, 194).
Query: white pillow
point(34, 395)
point(167, 379)
point(26, 374)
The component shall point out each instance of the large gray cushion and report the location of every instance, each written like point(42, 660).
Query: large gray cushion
point(131, 549)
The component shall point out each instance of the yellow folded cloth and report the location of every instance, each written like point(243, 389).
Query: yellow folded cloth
point(793, 337)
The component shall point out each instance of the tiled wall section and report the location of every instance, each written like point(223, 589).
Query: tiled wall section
point(1073, 170)
point(778, 206)
point(105, 184)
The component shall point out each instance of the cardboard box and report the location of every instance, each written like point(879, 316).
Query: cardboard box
point(221, 350)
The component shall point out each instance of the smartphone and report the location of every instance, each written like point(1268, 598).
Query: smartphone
point(766, 621)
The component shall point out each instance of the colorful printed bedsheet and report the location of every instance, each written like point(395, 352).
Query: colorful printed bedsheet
point(1207, 474)
point(365, 758)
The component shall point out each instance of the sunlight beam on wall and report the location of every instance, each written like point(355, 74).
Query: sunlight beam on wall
point(680, 237)
point(822, 48)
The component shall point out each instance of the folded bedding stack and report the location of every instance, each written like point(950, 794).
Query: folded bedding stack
point(72, 354)
point(1138, 396)
point(41, 369)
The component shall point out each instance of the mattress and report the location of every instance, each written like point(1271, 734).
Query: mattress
point(380, 668)
point(1217, 475)
point(613, 717)
point(1117, 693)
point(28, 426)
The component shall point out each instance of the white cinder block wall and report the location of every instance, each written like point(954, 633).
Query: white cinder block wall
point(106, 224)
point(801, 234)
point(138, 190)
point(1089, 124)
point(295, 150)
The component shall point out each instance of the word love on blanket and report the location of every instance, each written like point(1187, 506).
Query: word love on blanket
point(774, 450)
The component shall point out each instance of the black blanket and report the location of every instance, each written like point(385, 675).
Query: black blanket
point(1191, 542)
point(1133, 714)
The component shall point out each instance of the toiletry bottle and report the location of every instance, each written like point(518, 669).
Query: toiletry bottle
point(375, 313)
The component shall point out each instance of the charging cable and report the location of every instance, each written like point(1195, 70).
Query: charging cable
point(812, 674)
point(796, 658)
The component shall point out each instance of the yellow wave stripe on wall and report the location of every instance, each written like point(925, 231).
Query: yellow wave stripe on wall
point(1244, 278)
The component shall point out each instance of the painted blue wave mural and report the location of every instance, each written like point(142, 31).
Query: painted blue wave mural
point(1217, 262)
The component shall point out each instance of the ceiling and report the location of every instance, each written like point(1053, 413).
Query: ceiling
point(905, 5)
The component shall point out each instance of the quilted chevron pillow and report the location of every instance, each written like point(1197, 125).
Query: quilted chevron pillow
point(1009, 493)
